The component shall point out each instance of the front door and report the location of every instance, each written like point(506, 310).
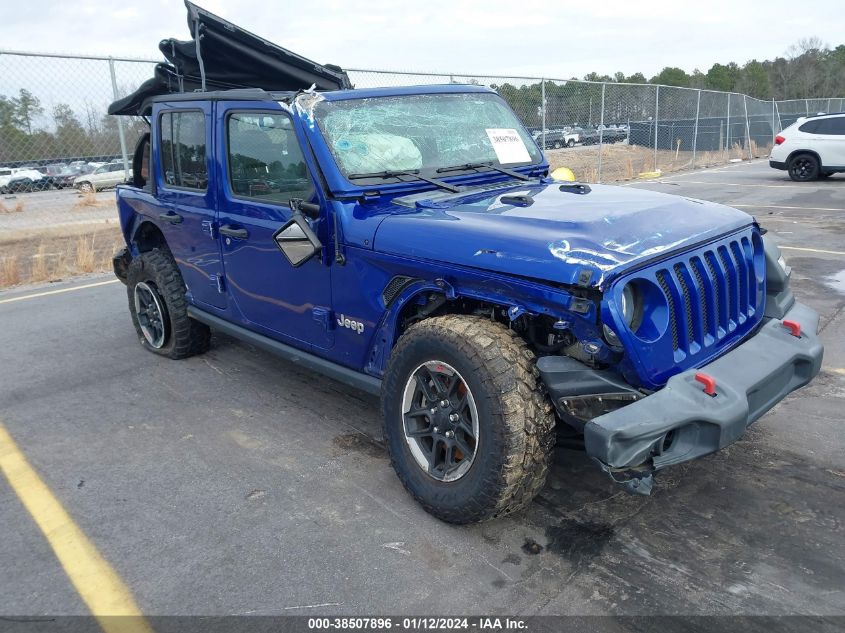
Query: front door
point(264, 167)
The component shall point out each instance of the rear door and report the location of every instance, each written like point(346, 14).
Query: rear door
point(183, 155)
point(262, 167)
point(830, 136)
point(118, 174)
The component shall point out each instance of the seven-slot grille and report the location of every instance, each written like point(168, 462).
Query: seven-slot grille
point(710, 293)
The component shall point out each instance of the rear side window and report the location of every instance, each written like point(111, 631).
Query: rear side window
point(183, 162)
point(809, 127)
point(265, 160)
point(834, 126)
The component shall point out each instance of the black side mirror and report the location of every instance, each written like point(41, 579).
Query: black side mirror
point(296, 240)
point(309, 209)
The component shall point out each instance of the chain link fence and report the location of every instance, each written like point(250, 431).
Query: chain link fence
point(54, 127)
point(53, 111)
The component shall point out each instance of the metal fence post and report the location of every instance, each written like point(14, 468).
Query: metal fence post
point(774, 131)
point(543, 109)
point(120, 132)
point(747, 127)
point(777, 111)
point(728, 127)
point(656, 107)
point(601, 127)
point(807, 106)
point(695, 130)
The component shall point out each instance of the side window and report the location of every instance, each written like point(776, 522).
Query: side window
point(834, 126)
point(265, 160)
point(810, 127)
point(183, 162)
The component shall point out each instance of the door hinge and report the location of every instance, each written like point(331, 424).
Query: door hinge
point(210, 227)
point(323, 316)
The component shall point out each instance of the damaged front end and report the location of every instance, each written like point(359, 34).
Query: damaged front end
point(581, 394)
point(741, 346)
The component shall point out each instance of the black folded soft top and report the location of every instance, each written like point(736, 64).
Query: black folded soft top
point(223, 56)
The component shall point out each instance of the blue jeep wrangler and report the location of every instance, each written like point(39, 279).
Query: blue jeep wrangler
point(410, 242)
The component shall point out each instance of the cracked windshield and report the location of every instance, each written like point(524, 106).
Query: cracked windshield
point(423, 133)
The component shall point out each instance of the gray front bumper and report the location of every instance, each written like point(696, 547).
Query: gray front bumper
point(750, 380)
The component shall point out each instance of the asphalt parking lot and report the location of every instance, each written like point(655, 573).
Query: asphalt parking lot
point(234, 483)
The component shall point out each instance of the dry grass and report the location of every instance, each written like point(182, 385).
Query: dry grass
point(626, 162)
point(40, 269)
point(10, 272)
point(53, 256)
point(18, 207)
point(85, 254)
point(89, 200)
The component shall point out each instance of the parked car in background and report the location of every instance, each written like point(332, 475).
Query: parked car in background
point(64, 178)
point(104, 177)
point(556, 139)
point(20, 179)
point(612, 134)
point(812, 147)
point(78, 166)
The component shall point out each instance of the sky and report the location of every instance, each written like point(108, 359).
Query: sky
point(552, 38)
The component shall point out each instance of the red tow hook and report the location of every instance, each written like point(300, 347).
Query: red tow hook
point(794, 327)
point(709, 383)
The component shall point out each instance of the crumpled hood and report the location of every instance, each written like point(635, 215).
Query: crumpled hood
point(561, 236)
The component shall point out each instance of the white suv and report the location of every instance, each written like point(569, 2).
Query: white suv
point(812, 147)
point(105, 176)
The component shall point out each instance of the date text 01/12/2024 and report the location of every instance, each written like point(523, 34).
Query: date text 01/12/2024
point(417, 623)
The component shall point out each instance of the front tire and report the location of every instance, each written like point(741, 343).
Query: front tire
point(804, 167)
point(158, 307)
point(570, 143)
point(470, 434)
point(86, 187)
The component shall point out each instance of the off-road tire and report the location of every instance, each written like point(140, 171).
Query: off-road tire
point(803, 167)
point(516, 423)
point(186, 336)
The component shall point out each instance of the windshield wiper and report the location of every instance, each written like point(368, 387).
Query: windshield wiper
point(477, 166)
point(412, 174)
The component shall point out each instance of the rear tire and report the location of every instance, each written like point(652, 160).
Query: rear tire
point(556, 145)
point(477, 380)
point(158, 307)
point(804, 167)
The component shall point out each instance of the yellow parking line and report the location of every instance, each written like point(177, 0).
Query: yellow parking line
point(59, 291)
point(809, 250)
point(100, 587)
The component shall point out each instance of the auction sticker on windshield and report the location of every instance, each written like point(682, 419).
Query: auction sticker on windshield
point(508, 146)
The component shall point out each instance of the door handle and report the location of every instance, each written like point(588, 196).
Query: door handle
point(229, 231)
point(173, 218)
